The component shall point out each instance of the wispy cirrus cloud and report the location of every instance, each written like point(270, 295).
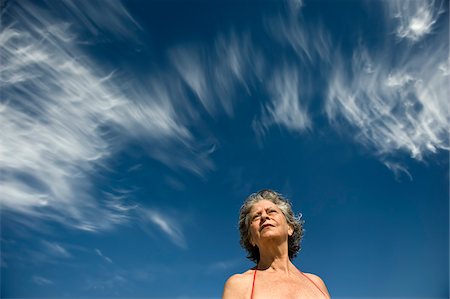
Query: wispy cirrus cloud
point(285, 107)
point(100, 254)
point(166, 224)
point(394, 94)
point(310, 42)
point(401, 106)
point(413, 20)
point(64, 117)
point(223, 265)
point(56, 250)
point(96, 20)
point(213, 73)
point(42, 281)
point(289, 87)
point(106, 281)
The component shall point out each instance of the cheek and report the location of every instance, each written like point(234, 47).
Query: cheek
point(254, 237)
point(254, 229)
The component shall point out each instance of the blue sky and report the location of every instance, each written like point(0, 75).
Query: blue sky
point(133, 131)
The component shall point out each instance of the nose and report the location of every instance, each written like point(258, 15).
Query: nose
point(264, 216)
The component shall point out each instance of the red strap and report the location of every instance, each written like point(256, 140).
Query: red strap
point(314, 284)
point(253, 284)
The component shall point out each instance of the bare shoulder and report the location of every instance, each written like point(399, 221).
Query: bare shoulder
point(319, 282)
point(314, 278)
point(237, 285)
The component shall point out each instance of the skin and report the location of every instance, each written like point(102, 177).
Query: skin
point(277, 276)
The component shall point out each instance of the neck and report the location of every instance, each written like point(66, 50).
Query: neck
point(274, 258)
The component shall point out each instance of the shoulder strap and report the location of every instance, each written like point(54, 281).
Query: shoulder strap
point(253, 284)
point(313, 283)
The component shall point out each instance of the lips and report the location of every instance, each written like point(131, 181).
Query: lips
point(265, 225)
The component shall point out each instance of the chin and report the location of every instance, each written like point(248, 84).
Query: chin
point(269, 234)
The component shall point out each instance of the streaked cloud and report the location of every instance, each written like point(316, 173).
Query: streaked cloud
point(167, 225)
point(289, 89)
point(285, 107)
point(413, 20)
point(191, 66)
point(42, 281)
point(97, 20)
point(56, 250)
point(224, 265)
point(100, 254)
point(237, 65)
point(214, 73)
point(106, 281)
point(398, 170)
point(311, 42)
point(64, 117)
point(394, 95)
point(295, 4)
point(394, 107)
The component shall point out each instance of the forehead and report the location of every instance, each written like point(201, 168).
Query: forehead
point(262, 205)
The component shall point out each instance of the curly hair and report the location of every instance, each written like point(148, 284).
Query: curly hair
point(285, 206)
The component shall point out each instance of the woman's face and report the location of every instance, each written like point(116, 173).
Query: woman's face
point(267, 221)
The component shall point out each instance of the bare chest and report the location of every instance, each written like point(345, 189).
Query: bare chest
point(273, 287)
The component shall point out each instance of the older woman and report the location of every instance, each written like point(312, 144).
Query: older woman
point(271, 235)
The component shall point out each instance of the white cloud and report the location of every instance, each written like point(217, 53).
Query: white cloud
point(213, 74)
point(237, 63)
point(63, 118)
point(414, 19)
point(295, 4)
point(401, 106)
point(98, 19)
point(285, 107)
point(42, 281)
point(99, 253)
point(311, 43)
point(398, 170)
point(107, 281)
point(224, 265)
point(192, 67)
point(56, 250)
point(166, 224)
point(290, 87)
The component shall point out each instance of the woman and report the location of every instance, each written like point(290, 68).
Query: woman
point(271, 235)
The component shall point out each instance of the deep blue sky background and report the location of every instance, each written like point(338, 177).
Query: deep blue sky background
point(133, 131)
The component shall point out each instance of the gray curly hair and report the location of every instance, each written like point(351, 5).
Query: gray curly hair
point(285, 206)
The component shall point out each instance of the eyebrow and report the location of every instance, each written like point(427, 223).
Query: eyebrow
point(275, 207)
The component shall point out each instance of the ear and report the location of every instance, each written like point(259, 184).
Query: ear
point(290, 231)
point(251, 241)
